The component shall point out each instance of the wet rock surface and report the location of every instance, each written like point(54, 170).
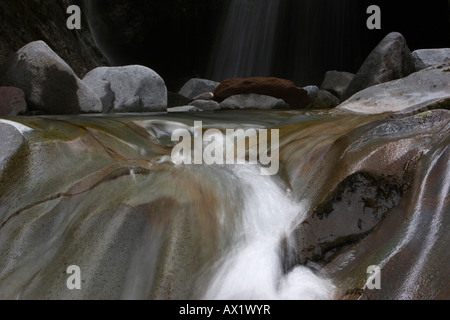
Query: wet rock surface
point(429, 87)
point(378, 207)
point(11, 141)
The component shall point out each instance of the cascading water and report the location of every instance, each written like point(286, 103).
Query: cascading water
point(251, 267)
point(246, 44)
point(104, 194)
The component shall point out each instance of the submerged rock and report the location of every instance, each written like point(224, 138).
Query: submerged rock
point(253, 101)
point(196, 87)
point(278, 88)
point(128, 89)
point(49, 84)
point(421, 90)
point(390, 60)
point(426, 58)
point(337, 82)
point(12, 102)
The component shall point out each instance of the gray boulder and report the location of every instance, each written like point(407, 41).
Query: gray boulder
point(206, 105)
point(196, 87)
point(253, 101)
point(337, 82)
point(419, 91)
point(426, 58)
point(128, 89)
point(49, 84)
point(12, 102)
point(390, 60)
point(325, 100)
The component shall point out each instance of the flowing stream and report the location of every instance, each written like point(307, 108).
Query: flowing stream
point(103, 193)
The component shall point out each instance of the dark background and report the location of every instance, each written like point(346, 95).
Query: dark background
point(177, 38)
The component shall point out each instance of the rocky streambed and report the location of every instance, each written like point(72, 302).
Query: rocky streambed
point(102, 193)
point(87, 179)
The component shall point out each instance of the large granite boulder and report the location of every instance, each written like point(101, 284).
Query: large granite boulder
point(426, 58)
point(390, 60)
point(278, 88)
point(49, 84)
point(12, 102)
point(421, 90)
point(128, 89)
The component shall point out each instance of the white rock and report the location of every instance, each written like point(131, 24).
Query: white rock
point(206, 105)
point(128, 89)
point(253, 101)
point(184, 109)
point(205, 96)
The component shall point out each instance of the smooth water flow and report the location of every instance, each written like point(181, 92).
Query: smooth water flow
point(246, 43)
point(140, 226)
point(252, 268)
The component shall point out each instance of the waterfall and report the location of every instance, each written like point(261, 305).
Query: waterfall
point(251, 267)
point(246, 44)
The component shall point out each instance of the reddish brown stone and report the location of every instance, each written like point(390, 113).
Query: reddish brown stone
point(12, 102)
point(278, 88)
